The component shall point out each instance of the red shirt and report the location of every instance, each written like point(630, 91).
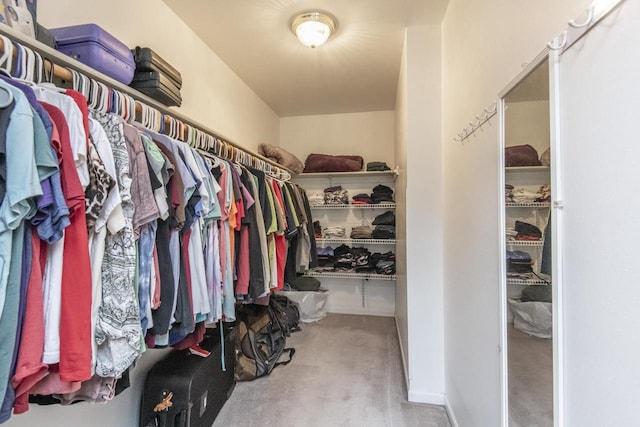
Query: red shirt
point(75, 316)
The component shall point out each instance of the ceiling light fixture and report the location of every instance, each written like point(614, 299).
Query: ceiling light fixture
point(313, 28)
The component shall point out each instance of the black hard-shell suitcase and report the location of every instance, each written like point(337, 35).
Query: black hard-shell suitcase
point(198, 386)
point(157, 86)
point(147, 60)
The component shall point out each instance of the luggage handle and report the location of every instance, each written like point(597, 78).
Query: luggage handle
point(181, 419)
point(291, 352)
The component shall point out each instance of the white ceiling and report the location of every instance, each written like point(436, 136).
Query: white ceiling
point(357, 70)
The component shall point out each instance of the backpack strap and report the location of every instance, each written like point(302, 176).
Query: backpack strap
point(291, 352)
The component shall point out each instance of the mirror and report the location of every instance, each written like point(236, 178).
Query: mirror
point(527, 179)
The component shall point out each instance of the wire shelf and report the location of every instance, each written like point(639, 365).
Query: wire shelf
point(356, 206)
point(527, 205)
point(357, 241)
point(525, 242)
point(389, 173)
point(346, 275)
point(528, 282)
point(527, 169)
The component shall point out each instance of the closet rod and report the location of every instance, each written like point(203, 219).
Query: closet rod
point(63, 64)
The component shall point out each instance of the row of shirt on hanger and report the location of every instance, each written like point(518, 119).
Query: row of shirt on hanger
point(114, 238)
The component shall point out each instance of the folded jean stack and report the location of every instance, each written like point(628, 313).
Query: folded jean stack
point(359, 260)
point(382, 194)
point(377, 166)
point(385, 226)
point(361, 232)
point(336, 196)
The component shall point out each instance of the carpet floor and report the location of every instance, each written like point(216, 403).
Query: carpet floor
point(347, 372)
point(530, 380)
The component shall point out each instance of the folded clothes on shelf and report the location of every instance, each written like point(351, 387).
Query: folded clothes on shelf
point(316, 198)
point(362, 198)
point(317, 229)
point(382, 193)
point(524, 195)
point(357, 259)
point(334, 232)
point(527, 231)
point(387, 218)
point(384, 232)
point(377, 166)
point(336, 196)
point(361, 232)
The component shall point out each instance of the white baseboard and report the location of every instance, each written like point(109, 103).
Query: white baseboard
point(430, 398)
point(450, 414)
point(359, 311)
point(403, 355)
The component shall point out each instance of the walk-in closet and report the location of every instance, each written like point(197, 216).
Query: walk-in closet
point(423, 215)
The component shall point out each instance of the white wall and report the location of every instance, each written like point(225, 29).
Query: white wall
point(368, 134)
point(419, 310)
point(123, 410)
point(600, 155)
point(484, 46)
point(213, 94)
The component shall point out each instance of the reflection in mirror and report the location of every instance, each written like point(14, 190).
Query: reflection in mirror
point(528, 250)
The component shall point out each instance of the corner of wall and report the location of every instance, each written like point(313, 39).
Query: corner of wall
point(452, 416)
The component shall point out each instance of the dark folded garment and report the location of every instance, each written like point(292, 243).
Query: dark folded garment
point(386, 267)
point(387, 218)
point(382, 189)
point(333, 189)
point(325, 260)
point(384, 232)
point(526, 229)
point(362, 197)
point(388, 256)
point(377, 166)
point(341, 250)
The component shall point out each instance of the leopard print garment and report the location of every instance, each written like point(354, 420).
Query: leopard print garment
point(100, 183)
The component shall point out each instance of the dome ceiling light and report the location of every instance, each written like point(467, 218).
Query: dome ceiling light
point(313, 28)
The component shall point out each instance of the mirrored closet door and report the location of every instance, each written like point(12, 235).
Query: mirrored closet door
point(527, 249)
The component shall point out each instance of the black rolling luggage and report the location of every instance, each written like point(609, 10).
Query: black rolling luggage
point(187, 390)
point(158, 87)
point(155, 77)
point(147, 60)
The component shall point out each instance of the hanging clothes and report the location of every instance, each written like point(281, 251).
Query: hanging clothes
point(114, 239)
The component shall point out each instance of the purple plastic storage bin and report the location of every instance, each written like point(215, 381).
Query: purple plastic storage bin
point(93, 46)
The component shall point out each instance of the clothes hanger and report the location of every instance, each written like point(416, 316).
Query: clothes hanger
point(162, 122)
point(6, 96)
point(7, 54)
point(105, 97)
point(18, 64)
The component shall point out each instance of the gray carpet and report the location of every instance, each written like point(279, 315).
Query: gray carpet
point(530, 380)
point(347, 371)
